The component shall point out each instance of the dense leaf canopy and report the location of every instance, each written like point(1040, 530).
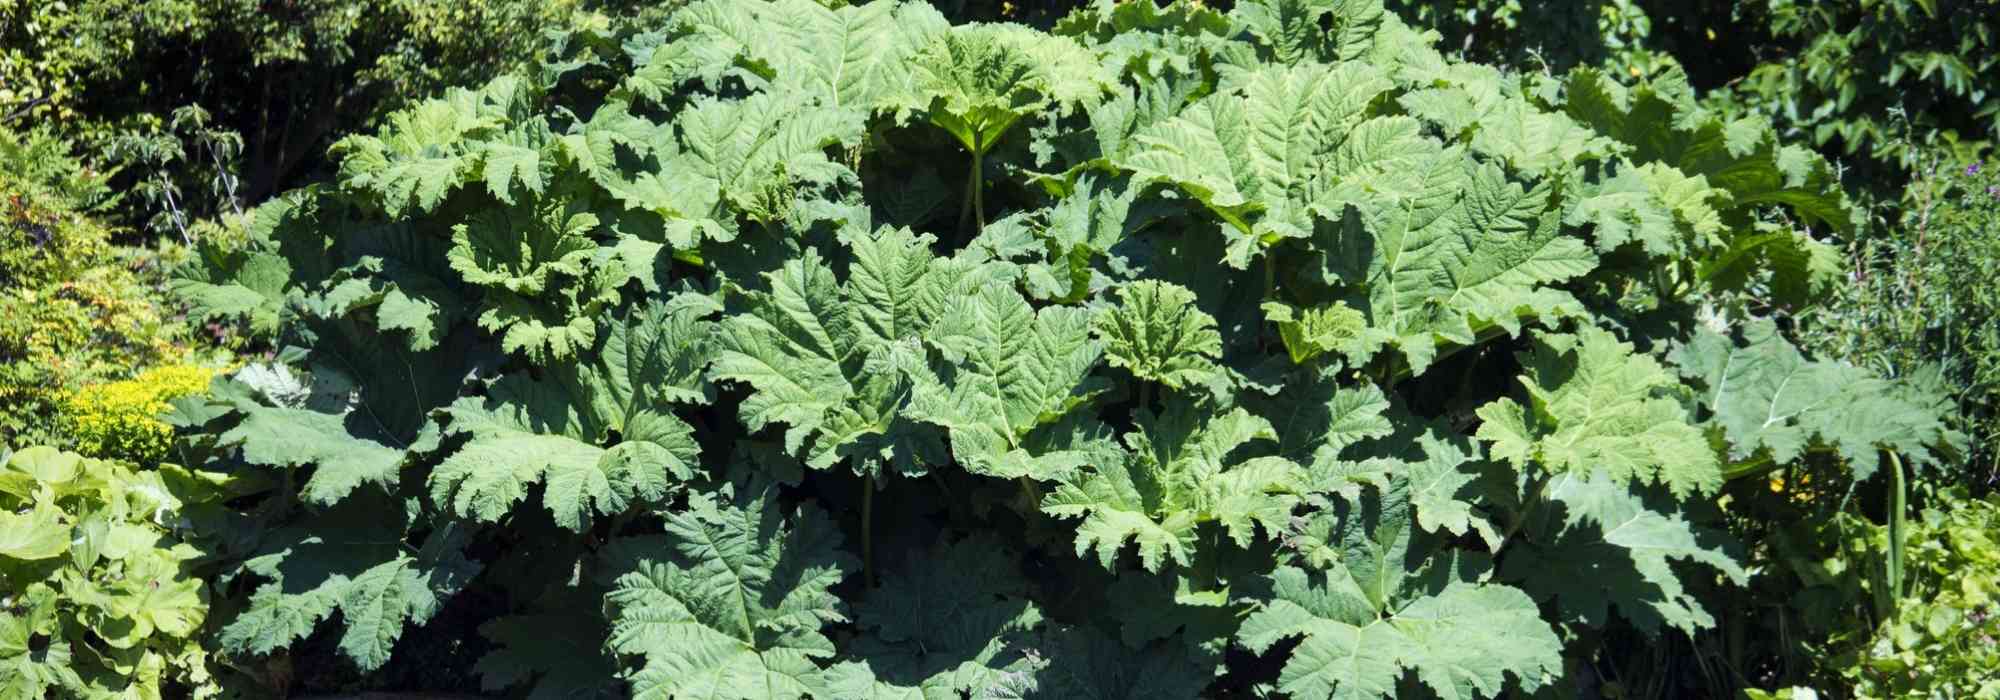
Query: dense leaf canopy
point(682, 325)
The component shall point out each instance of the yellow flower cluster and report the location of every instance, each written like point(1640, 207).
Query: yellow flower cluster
point(119, 420)
point(1800, 489)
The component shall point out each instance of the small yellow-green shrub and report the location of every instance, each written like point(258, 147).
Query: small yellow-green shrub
point(119, 420)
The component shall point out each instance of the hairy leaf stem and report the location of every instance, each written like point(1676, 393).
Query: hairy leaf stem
point(1528, 504)
point(868, 530)
point(1898, 495)
point(972, 208)
point(1032, 493)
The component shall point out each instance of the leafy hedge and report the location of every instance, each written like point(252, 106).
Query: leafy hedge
point(792, 351)
point(1888, 83)
point(1883, 85)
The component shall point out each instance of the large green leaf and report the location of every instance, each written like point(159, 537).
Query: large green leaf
point(734, 606)
point(950, 621)
point(1158, 334)
point(39, 533)
point(1260, 159)
point(1633, 546)
point(351, 561)
point(1178, 476)
point(1437, 250)
point(1763, 394)
point(1389, 604)
point(599, 434)
point(976, 81)
point(1013, 375)
point(840, 363)
point(1596, 407)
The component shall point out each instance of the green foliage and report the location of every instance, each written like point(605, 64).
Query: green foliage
point(1922, 305)
point(1881, 84)
point(1850, 74)
point(1901, 94)
point(1934, 640)
point(1013, 385)
point(355, 567)
point(1938, 641)
point(40, 164)
point(1766, 395)
point(666, 338)
point(1645, 538)
point(952, 620)
point(102, 598)
point(259, 90)
point(75, 310)
point(831, 361)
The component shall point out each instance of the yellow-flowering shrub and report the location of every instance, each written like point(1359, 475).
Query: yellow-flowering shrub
point(120, 420)
point(75, 308)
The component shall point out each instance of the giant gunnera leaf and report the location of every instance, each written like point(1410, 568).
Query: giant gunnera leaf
point(1390, 607)
point(1764, 395)
point(1632, 547)
point(839, 363)
point(1177, 476)
point(1157, 333)
point(350, 562)
point(1597, 407)
point(599, 436)
point(1012, 386)
point(733, 604)
point(954, 619)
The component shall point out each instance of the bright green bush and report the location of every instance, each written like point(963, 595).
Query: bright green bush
point(99, 597)
point(1944, 637)
point(785, 350)
point(39, 165)
point(1833, 585)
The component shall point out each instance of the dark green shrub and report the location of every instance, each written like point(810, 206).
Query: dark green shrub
point(1847, 75)
point(788, 350)
point(213, 104)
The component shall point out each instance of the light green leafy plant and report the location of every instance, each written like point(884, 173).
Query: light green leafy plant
point(99, 595)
